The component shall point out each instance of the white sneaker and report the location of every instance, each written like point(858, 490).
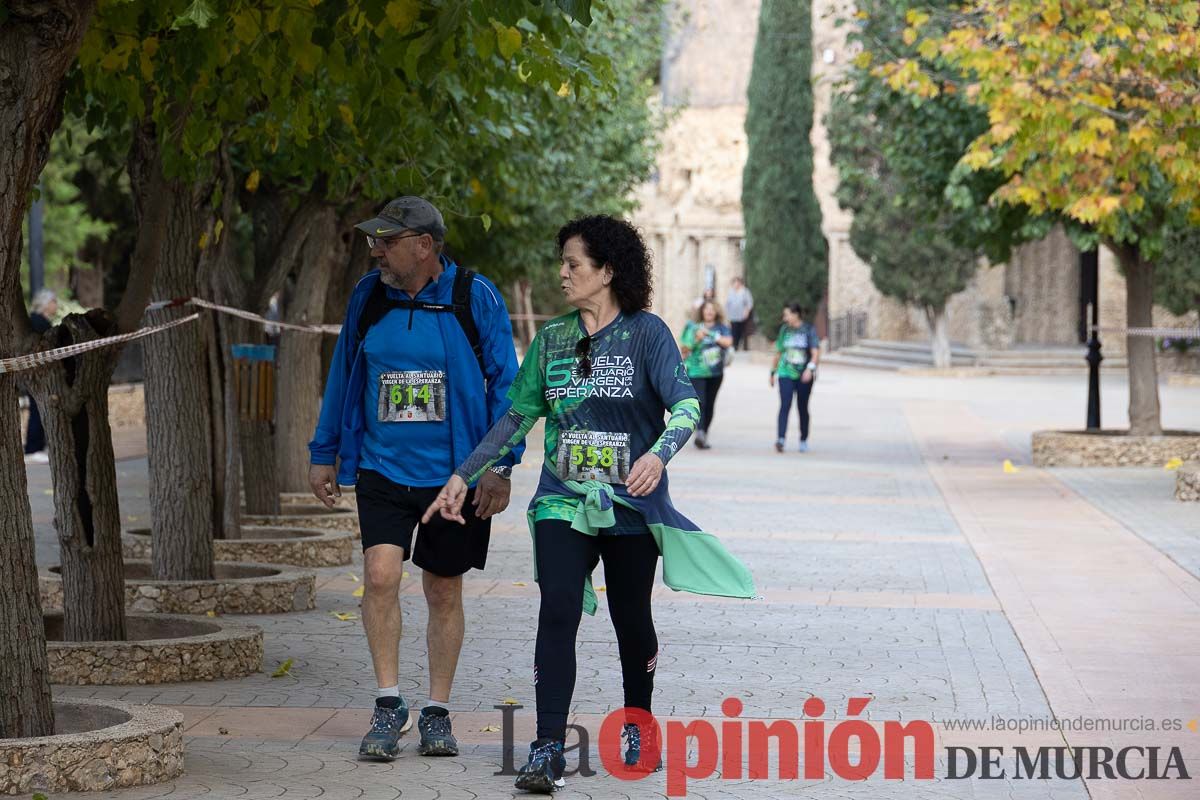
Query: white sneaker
point(39, 457)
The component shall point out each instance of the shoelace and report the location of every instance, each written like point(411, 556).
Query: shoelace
point(633, 736)
point(384, 722)
point(542, 754)
point(437, 725)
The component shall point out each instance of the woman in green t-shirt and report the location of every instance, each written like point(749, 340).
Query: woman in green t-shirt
point(704, 343)
point(797, 353)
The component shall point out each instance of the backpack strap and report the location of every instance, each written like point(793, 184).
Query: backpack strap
point(461, 299)
point(378, 304)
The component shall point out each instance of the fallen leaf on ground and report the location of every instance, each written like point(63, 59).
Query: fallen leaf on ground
point(223, 731)
point(519, 583)
point(358, 592)
point(601, 588)
point(403, 574)
point(353, 577)
point(211, 613)
point(490, 729)
point(284, 669)
point(508, 701)
point(1174, 463)
point(343, 616)
point(1009, 469)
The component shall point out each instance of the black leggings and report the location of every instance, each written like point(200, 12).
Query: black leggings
point(707, 389)
point(564, 558)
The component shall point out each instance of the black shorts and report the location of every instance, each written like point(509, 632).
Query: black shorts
point(388, 513)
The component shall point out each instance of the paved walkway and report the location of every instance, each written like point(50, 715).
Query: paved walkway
point(896, 561)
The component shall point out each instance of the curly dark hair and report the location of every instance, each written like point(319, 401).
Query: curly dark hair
point(612, 241)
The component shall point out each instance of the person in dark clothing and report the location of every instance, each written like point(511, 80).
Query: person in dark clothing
point(45, 306)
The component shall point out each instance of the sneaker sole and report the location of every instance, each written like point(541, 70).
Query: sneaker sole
point(378, 753)
point(539, 784)
point(437, 749)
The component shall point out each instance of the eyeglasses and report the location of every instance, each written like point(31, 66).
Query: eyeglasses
point(377, 241)
point(583, 351)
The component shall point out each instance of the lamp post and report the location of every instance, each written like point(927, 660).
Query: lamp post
point(1089, 267)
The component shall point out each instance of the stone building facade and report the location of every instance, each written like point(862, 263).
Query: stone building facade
point(691, 211)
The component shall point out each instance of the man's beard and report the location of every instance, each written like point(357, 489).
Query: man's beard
point(388, 277)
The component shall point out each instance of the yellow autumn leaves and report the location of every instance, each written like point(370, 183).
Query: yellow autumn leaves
point(1085, 101)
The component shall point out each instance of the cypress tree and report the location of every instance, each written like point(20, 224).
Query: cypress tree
point(785, 249)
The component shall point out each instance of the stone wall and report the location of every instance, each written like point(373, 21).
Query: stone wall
point(1112, 449)
point(1187, 482)
point(230, 650)
point(142, 746)
point(289, 590)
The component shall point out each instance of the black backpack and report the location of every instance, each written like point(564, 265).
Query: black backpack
point(378, 304)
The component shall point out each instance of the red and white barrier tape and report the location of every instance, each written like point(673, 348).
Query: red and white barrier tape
point(1181, 333)
point(239, 313)
point(31, 360)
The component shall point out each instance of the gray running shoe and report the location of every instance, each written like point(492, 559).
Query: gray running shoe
point(436, 738)
point(387, 726)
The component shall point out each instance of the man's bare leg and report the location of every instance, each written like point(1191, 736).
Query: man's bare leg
point(444, 635)
point(383, 566)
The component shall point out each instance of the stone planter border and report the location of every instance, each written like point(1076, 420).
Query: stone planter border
point(348, 499)
point(1187, 482)
point(307, 515)
point(215, 650)
point(125, 745)
point(264, 545)
point(1112, 448)
point(266, 589)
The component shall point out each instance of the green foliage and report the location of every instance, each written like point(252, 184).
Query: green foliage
point(67, 224)
point(920, 221)
point(1177, 273)
point(785, 249)
point(580, 154)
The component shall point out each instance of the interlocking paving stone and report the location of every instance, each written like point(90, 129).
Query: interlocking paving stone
point(857, 529)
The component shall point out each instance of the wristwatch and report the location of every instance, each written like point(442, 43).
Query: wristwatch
point(503, 472)
point(812, 366)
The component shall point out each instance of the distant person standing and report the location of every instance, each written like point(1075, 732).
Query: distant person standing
point(738, 308)
point(797, 353)
point(44, 307)
point(704, 342)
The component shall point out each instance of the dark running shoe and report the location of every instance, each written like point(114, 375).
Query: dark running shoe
point(544, 772)
point(436, 738)
point(779, 445)
point(632, 735)
point(388, 724)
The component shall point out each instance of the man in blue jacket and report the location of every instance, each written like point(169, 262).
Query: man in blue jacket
point(420, 373)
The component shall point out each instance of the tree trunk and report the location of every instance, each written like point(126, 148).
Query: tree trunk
point(38, 42)
point(73, 398)
point(1144, 413)
point(939, 341)
point(24, 672)
point(179, 427)
point(299, 397)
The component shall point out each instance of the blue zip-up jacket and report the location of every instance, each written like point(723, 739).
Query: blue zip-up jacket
point(472, 412)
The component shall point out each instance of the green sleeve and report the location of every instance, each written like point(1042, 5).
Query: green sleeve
point(685, 416)
point(528, 390)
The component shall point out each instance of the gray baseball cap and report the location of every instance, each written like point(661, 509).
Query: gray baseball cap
point(406, 213)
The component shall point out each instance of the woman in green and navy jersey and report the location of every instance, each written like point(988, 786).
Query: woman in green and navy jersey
point(603, 376)
point(705, 341)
